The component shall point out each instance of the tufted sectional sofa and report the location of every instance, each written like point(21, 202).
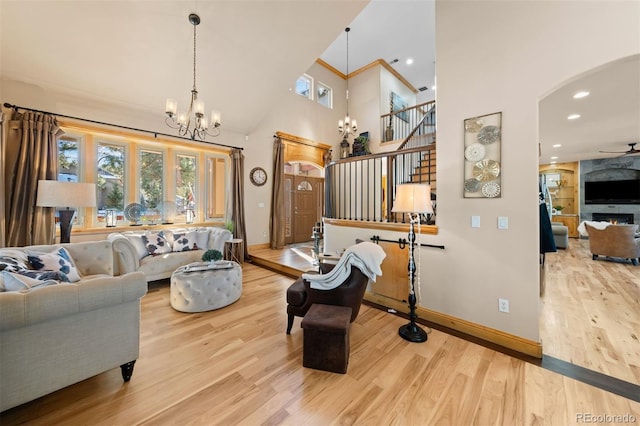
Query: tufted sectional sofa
point(131, 254)
point(52, 336)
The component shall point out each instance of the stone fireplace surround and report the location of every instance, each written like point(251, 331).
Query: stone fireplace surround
point(606, 169)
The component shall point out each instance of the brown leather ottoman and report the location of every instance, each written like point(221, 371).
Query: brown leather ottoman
point(326, 338)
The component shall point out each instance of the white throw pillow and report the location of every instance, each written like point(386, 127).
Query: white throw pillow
point(138, 245)
point(17, 282)
point(58, 260)
point(202, 239)
point(185, 241)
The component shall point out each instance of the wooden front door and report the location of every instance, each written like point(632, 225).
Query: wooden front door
point(305, 207)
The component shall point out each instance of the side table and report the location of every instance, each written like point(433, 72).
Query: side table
point(234, 250)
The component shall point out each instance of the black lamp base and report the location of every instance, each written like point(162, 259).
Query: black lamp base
point(412, 333)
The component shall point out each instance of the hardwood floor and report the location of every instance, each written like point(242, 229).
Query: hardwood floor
point(590, 313)
point(236, 365)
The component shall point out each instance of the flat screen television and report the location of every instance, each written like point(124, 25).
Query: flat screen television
point(612, 192)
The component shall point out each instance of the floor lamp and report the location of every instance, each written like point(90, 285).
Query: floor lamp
point(52, 193)
point(414, 199)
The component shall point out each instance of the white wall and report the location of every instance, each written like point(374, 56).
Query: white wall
point(505, 56)
point(298, 116)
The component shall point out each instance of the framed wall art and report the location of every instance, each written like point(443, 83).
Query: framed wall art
point(482, 166)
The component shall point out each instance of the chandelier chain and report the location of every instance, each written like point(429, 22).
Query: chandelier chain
point(194, 57)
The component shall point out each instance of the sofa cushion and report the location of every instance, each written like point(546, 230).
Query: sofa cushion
point(185, 241)
point(156, 243)
point(17, 282)
point(138, 244)
point(58, 260)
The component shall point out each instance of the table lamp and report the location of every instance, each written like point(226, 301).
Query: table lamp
point(414, 199)
point(53, 193)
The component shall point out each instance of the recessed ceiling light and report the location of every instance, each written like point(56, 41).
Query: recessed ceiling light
point(433, 87)
point(581, 94)
point(553, 162)
point(409, 61)
point(573, 116)
point(558, 145)
point(554, 158)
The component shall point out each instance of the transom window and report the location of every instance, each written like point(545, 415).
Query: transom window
point(304, 86)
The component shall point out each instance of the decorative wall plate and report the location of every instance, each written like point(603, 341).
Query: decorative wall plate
point(472, 185)
point(475, 152)
point(491, 189)
point(133, 212)
point(488, 134)
point(473, 125)
point(486, 170)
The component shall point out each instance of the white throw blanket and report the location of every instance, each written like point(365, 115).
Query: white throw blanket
point(598, 225)
point(365, 256)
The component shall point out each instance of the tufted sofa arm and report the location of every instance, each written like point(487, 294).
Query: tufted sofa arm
point(125, 258)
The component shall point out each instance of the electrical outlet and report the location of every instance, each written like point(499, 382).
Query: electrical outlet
point(503, 305)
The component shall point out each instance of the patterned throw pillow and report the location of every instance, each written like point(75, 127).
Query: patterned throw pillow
point(185, 241)
point(17, 282)
point(11, 264)
point(156, 243)
point(58, 260)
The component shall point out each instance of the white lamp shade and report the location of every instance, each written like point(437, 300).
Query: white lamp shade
point(412, 198)
point(52, 193)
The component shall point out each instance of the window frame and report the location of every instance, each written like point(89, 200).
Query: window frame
point(329, 104)
point(309, 96)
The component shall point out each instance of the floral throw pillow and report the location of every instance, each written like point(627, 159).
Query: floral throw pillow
point(185, 241)
point(58, 260)
point(156, 243)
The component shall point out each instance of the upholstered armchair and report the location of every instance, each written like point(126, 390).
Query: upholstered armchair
point(615, 241)
point(300, 295)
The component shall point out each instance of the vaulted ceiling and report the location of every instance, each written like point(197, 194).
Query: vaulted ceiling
point(135, 54)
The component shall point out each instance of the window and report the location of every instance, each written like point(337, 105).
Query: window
point(304, 86)
point(164, 176)
point(110, 180)
point(324, 95)
point(151, 183)
point(185, 186)
point(68, 158)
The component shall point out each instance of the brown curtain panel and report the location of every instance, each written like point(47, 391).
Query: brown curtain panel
point(276, 226)
point(237, 193)
point(31, 154)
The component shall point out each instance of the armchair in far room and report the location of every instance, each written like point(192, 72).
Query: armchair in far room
point(615, 241)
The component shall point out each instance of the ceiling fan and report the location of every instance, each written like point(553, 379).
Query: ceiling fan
point(632, 150)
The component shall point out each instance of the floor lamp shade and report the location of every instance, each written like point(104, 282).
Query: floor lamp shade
point(52, 193)
point(414, 199)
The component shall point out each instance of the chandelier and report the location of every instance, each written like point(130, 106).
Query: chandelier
point(347, 126)
point(192, 124)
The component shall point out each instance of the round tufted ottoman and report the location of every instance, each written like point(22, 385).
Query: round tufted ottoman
point(206, 290)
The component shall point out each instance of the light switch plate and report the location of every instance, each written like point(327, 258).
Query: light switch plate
point(503, 222)
point(475, 221)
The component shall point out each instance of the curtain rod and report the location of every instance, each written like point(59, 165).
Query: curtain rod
point(155, 134)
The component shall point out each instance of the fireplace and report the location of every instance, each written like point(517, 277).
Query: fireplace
point(613, 217)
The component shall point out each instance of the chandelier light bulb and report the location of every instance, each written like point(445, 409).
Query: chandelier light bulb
point(347, 127)
point(172, 107)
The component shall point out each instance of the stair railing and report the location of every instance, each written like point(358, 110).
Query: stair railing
point(362, 188)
